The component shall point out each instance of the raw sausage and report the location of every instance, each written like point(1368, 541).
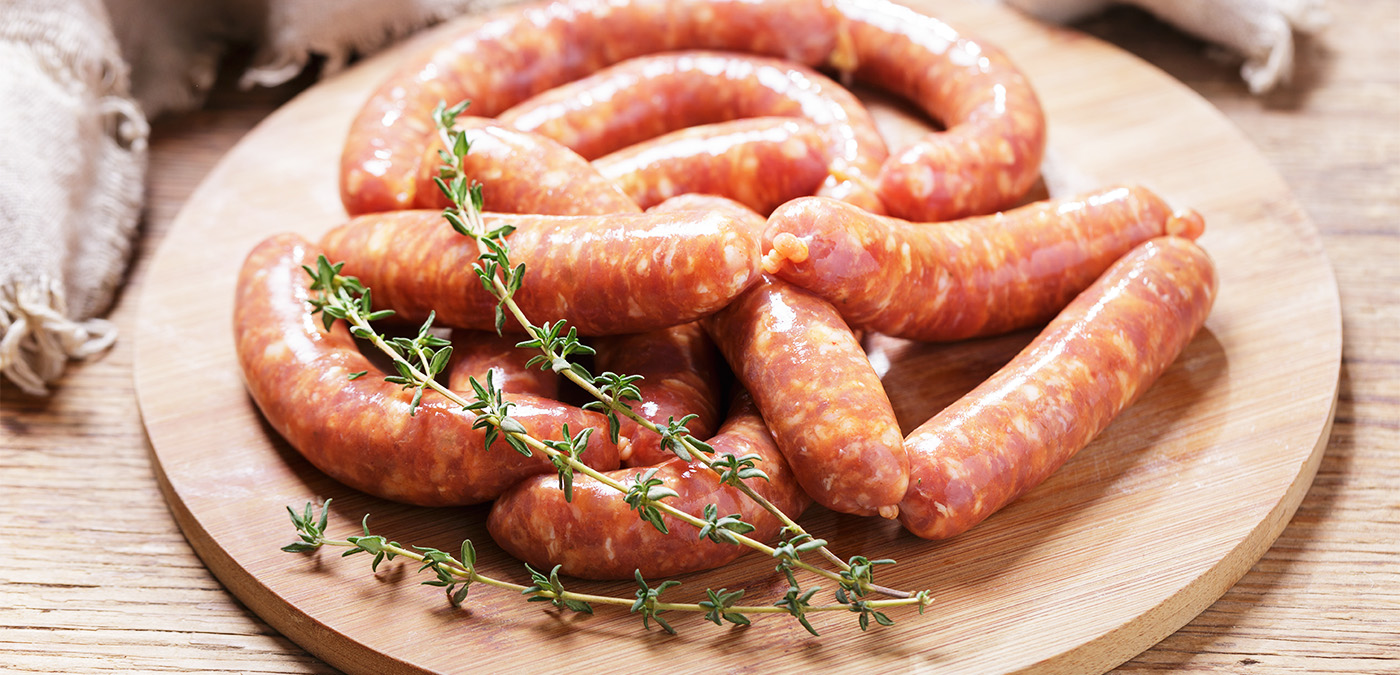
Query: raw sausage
point(596, 536)
point(745, 216)
point(648, 96)
point(680, 371)
point(605, 275)
point(995, 139)
point(819, 395)
point(760, 162)
point(500, 62)
point(1090, 363)
point(973, 277)
point(522, 172)
point(477, 353)
point(360, 431)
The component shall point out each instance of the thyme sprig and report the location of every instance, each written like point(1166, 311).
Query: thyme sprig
point(418, 360)
point(465, 217)
point(456, 574)
point(646, 494)
point(415, 370)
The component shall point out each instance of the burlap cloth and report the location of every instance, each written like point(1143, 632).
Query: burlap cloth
point(73, 131)
point(70, 184)
point(1259, 31)
point(73, 122)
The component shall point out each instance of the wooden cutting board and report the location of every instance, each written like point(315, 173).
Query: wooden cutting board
point(1131, 539)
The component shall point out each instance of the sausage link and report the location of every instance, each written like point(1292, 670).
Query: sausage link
point(360, 431)
point(978, 276)
point(605, 275)
point(1106, 348)
point(818, 393)
point(744, 215)
point(521, 172)
point(476, 353)
point(680, 376)
point(653, 95)
point(597, 536)
point(760, 162)
point(519, 53)
point(991, 151)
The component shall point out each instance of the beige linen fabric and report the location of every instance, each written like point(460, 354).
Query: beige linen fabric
point(75, 137)
point(174, 46)
point(70, 184)
point(1261, 31)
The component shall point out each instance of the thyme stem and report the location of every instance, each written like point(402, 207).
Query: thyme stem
point(357, 319)
point(476, 229)
point(456, 568)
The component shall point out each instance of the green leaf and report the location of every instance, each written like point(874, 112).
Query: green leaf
point(461, 145)
point(511, 425)
point(718, 607)
point(722, 530)
point(478, 201)
point(860, 574)
point(647, 599)
point(440, 360)
point(797, 604)
point(453, 218)
point(552, 585)
point(642, 494)
point(734, 470)
point(459, 596)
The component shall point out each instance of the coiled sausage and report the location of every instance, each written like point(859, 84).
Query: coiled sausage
point(760, 162)
point(500, 62)
point(991, 150)
point(521, 172)
point(360, 431)
point(652, 95)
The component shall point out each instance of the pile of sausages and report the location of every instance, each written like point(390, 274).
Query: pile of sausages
point(658, 161)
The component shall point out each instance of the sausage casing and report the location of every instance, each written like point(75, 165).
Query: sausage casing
point(818, 393)
point(475, 354)
point(360, 431)
point(649, 96)
point(991, 151)
point(521, 172)
point(760, 162)
point(597, 536)
point(605, 275)
point(1011, 432)
point(680, 376)
point(519, 53)
point(978, 276)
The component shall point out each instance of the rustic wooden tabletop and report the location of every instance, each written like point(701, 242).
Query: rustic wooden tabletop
point(98, 577)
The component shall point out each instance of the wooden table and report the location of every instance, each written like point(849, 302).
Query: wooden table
point(97, 576)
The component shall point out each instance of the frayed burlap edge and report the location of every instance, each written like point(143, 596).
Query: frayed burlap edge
point(38, 337)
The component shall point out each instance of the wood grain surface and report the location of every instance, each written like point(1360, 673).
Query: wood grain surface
point(1123, 545)
point(99, 578)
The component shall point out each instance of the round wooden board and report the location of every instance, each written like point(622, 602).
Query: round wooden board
point(1131, 539)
